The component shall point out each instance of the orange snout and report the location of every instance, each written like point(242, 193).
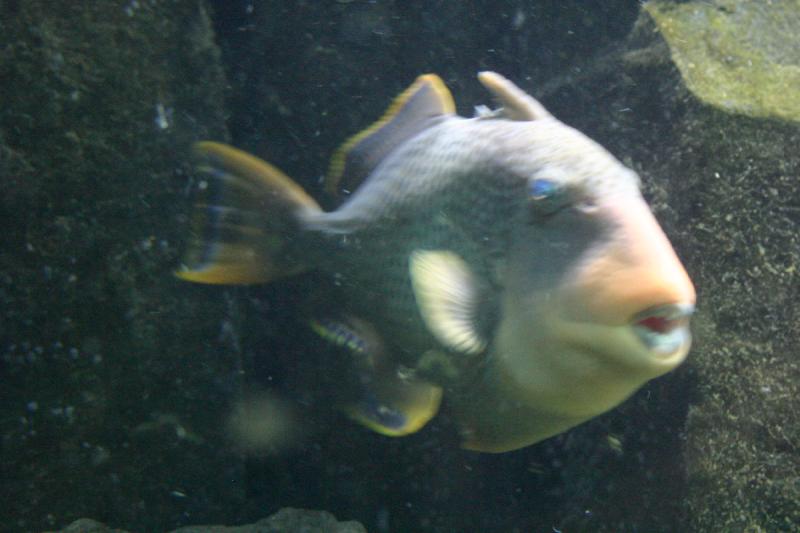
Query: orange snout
point(632, 269)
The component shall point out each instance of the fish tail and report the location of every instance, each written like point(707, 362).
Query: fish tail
point(246, 217)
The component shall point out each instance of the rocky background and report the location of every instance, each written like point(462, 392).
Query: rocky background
point(118, 381)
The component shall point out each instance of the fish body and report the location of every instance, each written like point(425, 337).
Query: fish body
point(505, 262)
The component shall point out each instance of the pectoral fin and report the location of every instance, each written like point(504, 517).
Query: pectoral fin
point(448, 297)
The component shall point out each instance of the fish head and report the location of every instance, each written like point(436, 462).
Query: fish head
point(595, 300)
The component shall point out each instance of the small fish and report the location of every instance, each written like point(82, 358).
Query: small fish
point(506, 263)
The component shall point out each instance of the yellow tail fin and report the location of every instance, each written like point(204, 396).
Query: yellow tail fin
point(246, 213)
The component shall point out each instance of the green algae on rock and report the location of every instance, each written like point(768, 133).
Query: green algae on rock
point(742, 57)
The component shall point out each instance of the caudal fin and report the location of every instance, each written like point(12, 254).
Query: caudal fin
point(247, 213)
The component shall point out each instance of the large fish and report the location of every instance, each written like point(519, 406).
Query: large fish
point(505, 261)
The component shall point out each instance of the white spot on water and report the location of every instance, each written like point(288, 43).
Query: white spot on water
point(519, 19)
point(162, 116)
point(131, 8)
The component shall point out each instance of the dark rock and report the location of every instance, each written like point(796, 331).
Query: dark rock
point(101, 414)
point(723, 181)
point(87, 525)
point(739, 207)
point(713, 446)
point(284, 521)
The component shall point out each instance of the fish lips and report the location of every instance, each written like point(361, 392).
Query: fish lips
point(664, 329)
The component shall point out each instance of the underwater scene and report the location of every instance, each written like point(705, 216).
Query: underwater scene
point(400, 266)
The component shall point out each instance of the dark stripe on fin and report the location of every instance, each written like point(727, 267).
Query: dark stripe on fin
point(388, 401)
point(377, 415)
point(396, 407)
point(410, 113)
point(341, 334)
point(359, 338)
point(246, 212)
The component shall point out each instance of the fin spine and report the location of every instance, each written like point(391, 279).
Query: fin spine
point(517, 104)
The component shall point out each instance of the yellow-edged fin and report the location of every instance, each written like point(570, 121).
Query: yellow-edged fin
point(245, 210)
point(388, 401)
point(447, 295)
point(413, 111)
point(396, 407)
point(266, 178)
point(231, 264)
point(356, 336)
point(340, 334)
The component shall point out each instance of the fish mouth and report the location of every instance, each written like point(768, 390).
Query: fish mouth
point(664, 329)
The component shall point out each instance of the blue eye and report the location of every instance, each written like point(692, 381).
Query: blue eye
point(541, 189)
point(546, 198)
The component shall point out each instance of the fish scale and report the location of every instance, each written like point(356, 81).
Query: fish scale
point(453, 206)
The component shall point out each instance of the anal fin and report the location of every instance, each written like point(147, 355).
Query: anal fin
point(395, 406)
point(387, 399)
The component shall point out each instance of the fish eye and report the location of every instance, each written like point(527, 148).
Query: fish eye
point(546, 197)
point(541, 189)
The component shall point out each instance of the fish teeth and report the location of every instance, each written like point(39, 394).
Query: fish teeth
point(663, 343)
point(667, 338)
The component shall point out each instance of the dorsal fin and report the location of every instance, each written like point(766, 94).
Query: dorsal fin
point(517, 104)
point(410, 113)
